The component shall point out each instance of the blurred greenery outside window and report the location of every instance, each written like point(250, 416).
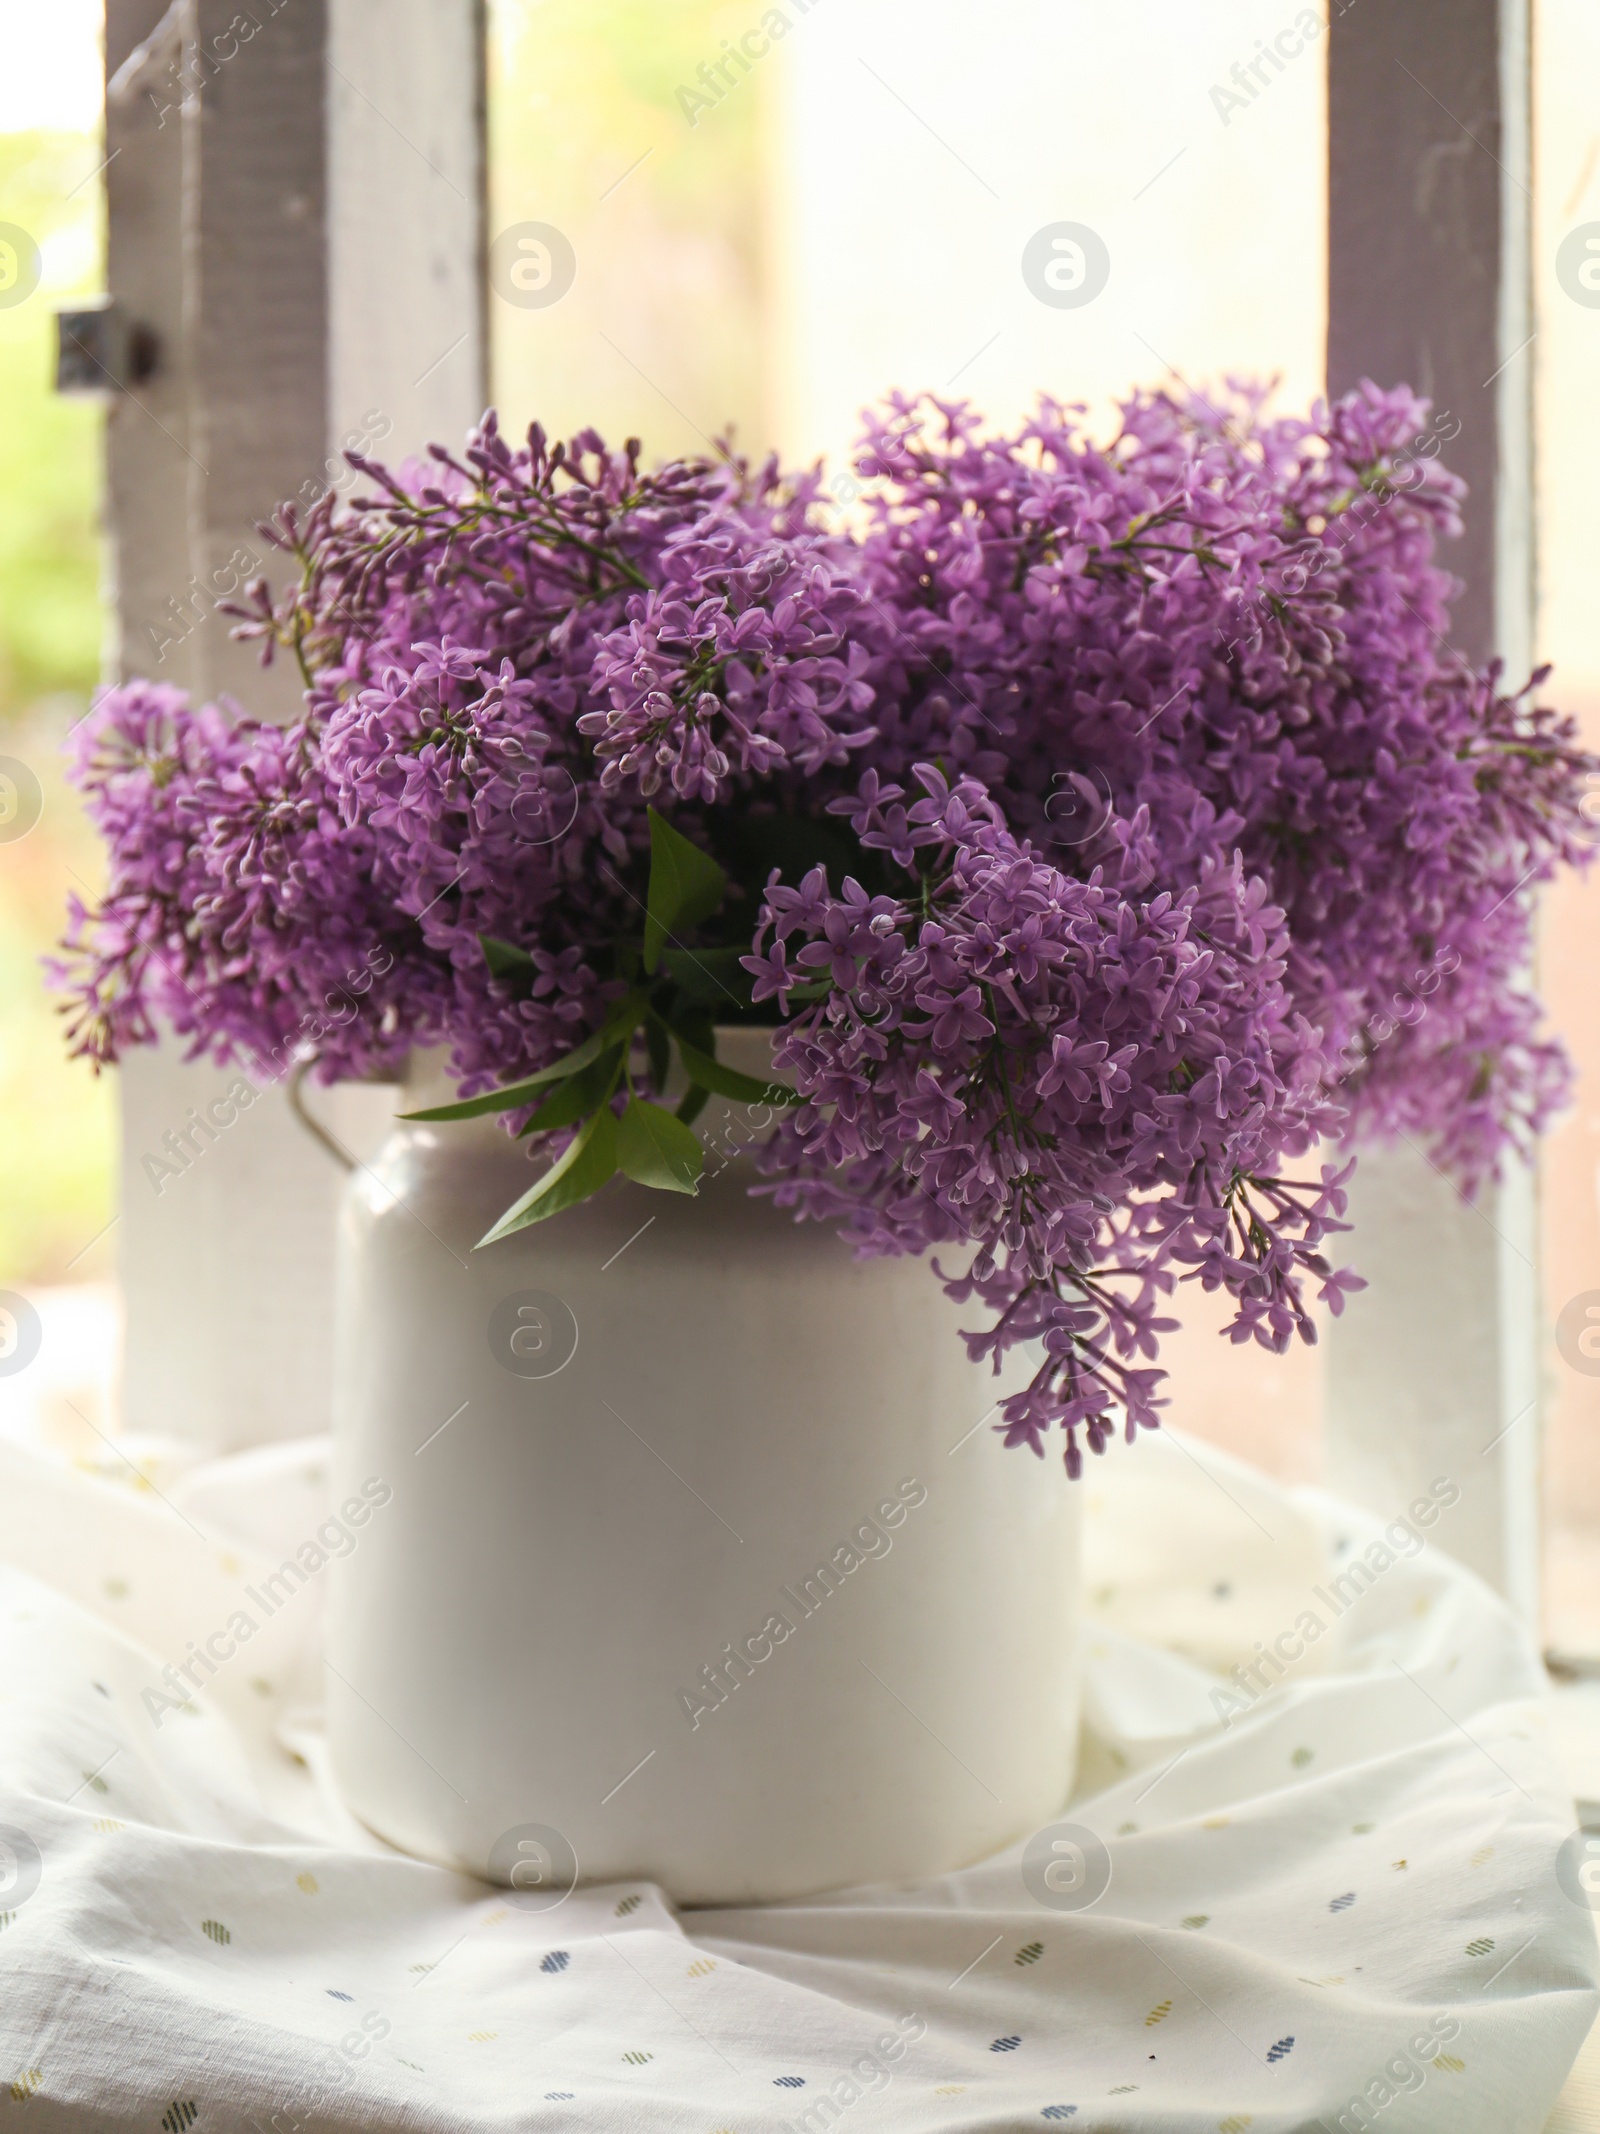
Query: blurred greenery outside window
point(662, 331)
point(57, 1184)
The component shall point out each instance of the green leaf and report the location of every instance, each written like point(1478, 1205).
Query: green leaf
point(504, 958)
point(655, 1149)
point(710, 976)
point(688, 1019)
point(710, 1074)
point(681, 963)
point(583, 1168)
point(658, 1043)
point(577, 1096)
point(692, 1105)
point(686, 886)
point(620, 1025)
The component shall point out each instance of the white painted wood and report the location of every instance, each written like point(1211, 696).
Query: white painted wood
point(227, 1267)
point(407, 330)
point(147, 447)
point(222, 239)
point(1436, 1359)
point(1434, 1369)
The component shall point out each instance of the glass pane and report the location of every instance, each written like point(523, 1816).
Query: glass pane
point(57, 1250)
point(1567, 289)
point(908, 183)
point(660, 333)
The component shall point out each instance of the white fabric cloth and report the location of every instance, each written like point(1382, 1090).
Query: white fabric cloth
point(1297, 1893)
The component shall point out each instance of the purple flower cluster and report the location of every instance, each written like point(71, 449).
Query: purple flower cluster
point(742, 662)
point(243, 912)
point(1237, 626)
point(1090, 1089)
point(1105, 825)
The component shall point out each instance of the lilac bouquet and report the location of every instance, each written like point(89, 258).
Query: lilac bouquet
point(1099, 828)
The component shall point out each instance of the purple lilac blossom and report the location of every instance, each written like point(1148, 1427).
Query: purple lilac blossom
point(1187, 843)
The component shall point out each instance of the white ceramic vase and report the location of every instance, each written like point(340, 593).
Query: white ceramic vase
point(696, 1565)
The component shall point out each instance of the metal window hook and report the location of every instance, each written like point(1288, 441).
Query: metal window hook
point(99, 349)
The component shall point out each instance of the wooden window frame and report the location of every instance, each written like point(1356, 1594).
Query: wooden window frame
point(298, 214)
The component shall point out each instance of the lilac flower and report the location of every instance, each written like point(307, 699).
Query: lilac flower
point(1105, 824)
point(1111, 1091)
point(754, 669)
